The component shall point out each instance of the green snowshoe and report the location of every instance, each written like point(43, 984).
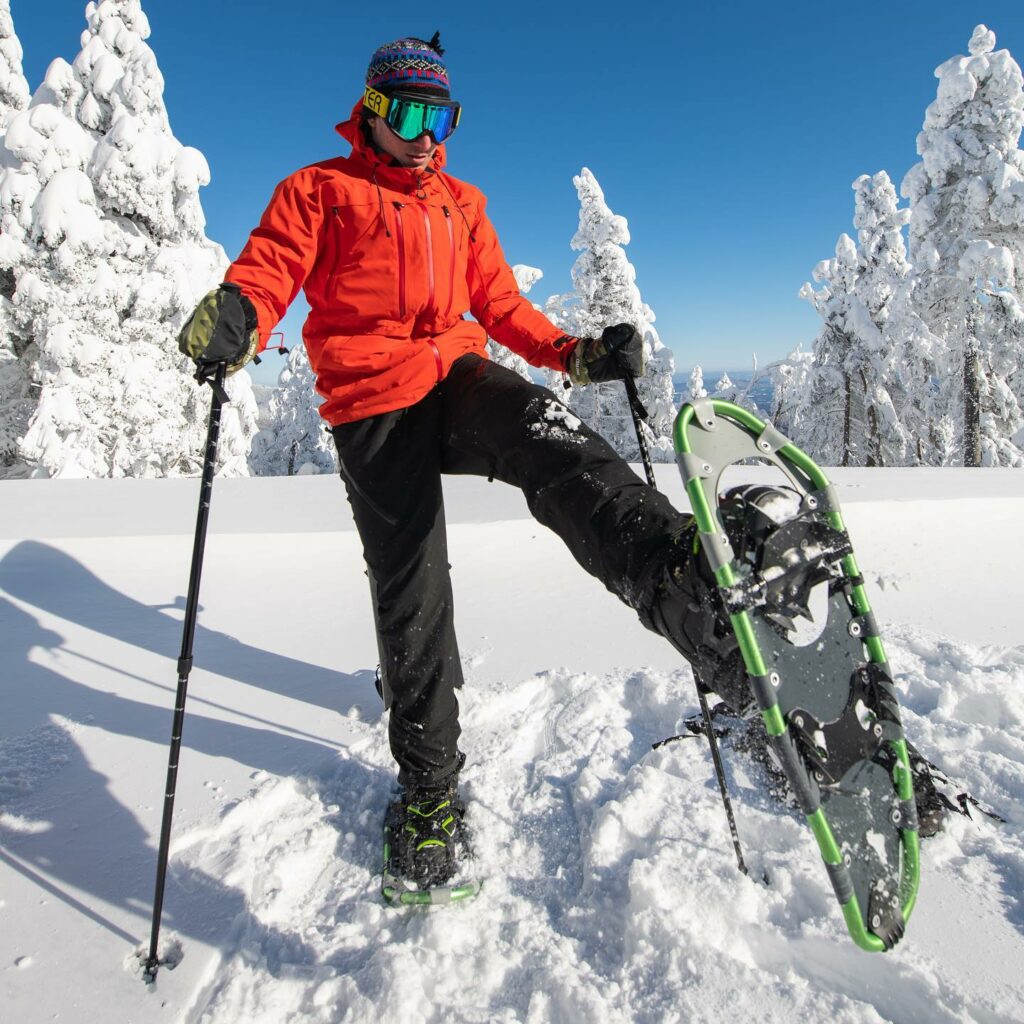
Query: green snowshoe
point(829, 706)
point(426, 844)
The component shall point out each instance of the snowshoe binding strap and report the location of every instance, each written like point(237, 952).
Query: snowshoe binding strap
point(424, 840)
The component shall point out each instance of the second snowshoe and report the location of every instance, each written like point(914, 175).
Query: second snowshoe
point(426, 849)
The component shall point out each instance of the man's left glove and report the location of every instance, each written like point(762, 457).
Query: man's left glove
point(223, 329)
point(618, 353)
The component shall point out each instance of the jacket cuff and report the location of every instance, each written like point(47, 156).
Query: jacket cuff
point(565, 346)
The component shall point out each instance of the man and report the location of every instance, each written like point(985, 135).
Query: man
point(392, 253)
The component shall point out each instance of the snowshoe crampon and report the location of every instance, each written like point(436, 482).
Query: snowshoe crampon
point(424, 843)
point(829, 707)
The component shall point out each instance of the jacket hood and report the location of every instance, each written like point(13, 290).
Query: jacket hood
point(352, 133)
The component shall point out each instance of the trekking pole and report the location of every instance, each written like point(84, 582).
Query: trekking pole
point(185, 660)
point(640, 414)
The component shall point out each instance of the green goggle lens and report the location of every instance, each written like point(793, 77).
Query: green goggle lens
point(410, 118)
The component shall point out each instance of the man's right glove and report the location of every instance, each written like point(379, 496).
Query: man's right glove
point(618, 353)
point(223, 329)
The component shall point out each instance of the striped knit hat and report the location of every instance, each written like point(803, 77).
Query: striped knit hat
point(409, 63)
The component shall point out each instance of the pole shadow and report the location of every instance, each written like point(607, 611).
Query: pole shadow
point(65, 830)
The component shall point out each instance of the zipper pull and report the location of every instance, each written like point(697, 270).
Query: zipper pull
point(397, 205)
point(447, 212)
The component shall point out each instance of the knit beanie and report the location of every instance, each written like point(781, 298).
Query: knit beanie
point(412, 64)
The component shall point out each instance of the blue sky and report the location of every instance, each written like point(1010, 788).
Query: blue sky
point(728, 135)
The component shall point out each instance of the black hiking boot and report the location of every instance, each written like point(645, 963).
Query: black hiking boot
point(688, 609)
point(425, 842)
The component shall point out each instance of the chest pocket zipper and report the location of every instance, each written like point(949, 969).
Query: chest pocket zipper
point(451, 261)
point(400, 238)
point(430, 257)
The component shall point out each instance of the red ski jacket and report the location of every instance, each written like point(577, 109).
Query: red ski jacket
point(390, 259)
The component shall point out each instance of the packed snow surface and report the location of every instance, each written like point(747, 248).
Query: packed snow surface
point(611, 891)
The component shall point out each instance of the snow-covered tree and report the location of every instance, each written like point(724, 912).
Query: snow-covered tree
point(743, 395)
point(851, 415)
point(296, 439)
point(725, 389)
point(605, 293)
point(15, 398)
point(103, 232)
point(697, 389)
point(789, 380)
point(526, 278)
point(830, 404)
point(917, 356)
point(967, 247)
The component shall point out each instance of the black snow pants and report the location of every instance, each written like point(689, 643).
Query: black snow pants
point(486, 420)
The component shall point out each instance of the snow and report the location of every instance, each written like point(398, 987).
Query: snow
point(66, 208)
point(611, 891)
point(554, 412)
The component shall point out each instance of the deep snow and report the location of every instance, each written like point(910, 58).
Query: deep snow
point(611, 892)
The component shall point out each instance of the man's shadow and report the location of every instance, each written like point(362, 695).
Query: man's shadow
point(79, 837)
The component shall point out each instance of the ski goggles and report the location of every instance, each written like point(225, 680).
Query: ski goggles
point(409, 116)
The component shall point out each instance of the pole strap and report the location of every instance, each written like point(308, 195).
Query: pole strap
point(206, 373)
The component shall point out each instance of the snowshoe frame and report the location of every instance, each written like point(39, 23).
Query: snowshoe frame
point(726, 434)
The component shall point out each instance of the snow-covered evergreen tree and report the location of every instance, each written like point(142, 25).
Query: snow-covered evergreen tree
point(102, 229)
point(830, 401)
point(882, 273)
point(526, 278)
point(917, 355)
point(605, 293)
point(967, 247)
point(296, 439)
point(790, 380)
point(850, 416)
point(15, 398)
point(725, 389)
point(697, 389)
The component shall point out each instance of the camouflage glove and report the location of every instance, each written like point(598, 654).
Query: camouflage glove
point(618, 353)
point(223, 329)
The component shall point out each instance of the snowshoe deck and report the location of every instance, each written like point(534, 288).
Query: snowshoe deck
point(398, 890)
point(829, 707)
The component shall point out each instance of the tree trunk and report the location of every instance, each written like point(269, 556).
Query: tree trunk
point(873, 442)
point(847, 402)
point(972, 405)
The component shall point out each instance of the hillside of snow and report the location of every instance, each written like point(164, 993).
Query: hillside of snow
point(611, 890)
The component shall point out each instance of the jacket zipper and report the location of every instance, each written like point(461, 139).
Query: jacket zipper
point(400, 233)
point(451, 261)
point(430, 258)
